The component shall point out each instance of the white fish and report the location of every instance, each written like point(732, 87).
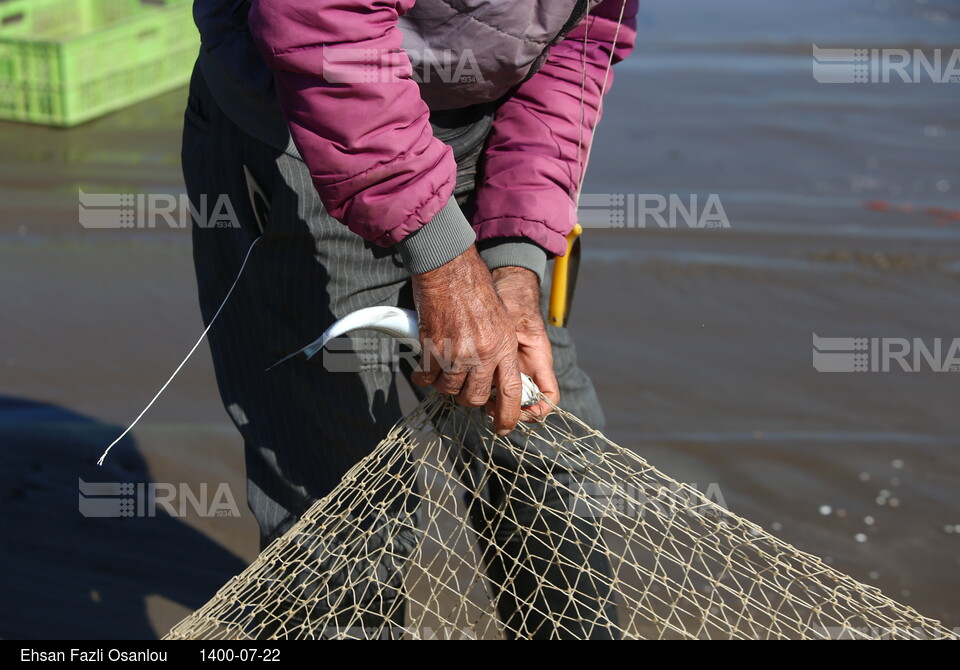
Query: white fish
point(396, 322)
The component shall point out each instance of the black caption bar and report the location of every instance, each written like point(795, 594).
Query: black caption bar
point(158, 651)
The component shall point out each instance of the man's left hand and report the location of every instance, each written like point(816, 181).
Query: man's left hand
point(519, 289)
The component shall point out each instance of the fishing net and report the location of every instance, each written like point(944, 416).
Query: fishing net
point(448, 531)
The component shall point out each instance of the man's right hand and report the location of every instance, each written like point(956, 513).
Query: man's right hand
point(469, 340)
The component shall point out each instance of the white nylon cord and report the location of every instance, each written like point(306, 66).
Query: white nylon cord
point(184, 362)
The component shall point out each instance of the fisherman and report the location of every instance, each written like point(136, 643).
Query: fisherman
point(423, 154)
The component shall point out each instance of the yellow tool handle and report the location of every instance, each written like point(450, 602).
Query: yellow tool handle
point(559, 304)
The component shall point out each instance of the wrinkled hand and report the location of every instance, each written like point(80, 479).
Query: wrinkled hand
point(469, 339)
point(519, 289)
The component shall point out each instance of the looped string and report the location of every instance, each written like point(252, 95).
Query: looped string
point(582, 163)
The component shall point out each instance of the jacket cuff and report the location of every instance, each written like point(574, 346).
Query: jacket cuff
point(439, 241)
point(514, 251)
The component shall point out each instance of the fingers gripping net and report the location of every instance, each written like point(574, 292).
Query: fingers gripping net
point(447, 531)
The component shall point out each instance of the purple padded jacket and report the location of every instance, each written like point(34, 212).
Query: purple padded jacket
point(356, 81)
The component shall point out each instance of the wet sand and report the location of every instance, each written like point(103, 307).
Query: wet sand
point(699, 340)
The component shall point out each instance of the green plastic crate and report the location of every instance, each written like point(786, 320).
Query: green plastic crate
point(63, 62)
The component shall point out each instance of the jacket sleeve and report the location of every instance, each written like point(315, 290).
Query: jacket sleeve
point(526, 199)
point(356, 115)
